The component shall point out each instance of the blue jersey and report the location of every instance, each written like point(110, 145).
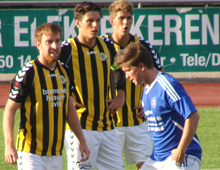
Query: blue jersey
point(166, 105)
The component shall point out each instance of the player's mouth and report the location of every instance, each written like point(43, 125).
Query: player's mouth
point(125, 29)
point(94, 31)
point(54, 53)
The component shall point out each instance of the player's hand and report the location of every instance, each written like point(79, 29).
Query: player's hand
point(85, 152)
point(11, 155)
point(114, 104)
point(140, 114)
point(178, 155)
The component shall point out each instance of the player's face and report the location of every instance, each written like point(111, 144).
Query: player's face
point(134, 74)
point(122, 23)
point(49, 47)
point(89, 25)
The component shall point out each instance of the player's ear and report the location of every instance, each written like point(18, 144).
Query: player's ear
point(111, 21)
point(142, 66)
point(77, 23)
point(37, 44)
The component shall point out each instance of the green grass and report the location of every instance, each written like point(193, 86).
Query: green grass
point(208, 132)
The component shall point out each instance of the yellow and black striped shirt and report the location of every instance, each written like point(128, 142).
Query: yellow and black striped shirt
point(90, 70)
point(44, 96)
point(126, 116)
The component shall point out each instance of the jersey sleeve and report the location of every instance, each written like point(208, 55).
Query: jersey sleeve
point(183, 103)
point(22, 84)
point(155, 54)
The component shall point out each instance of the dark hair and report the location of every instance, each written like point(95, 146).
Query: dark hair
point(83, 7)
point(133, 54)
point(47, 28)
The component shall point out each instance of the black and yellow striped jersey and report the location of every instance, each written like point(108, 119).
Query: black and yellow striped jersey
point(90, 70)
point(126, 116)
point(44, 96)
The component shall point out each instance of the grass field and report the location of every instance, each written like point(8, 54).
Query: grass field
point(208, 132)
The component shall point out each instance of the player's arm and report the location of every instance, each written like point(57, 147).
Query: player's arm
point(119, 77)
point(8, 129)
point(22, 80)
point(189, 131)
point(75, 126)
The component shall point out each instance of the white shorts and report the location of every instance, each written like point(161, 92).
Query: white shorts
point(104, 149)
point(29, 161)
point(135, 142)
point(190, 163)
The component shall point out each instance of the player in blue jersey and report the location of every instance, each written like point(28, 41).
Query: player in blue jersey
point(129, 123)
point(172, 116)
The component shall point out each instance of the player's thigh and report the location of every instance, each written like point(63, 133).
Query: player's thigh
point(120, 133)
point(150, 164)
point(138, 146)
point(190, 163)
point(93, 139)
point(55, 162)
point(29, 161)
point(109, 156)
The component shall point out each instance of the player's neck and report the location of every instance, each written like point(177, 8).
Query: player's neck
point(122, 40)
point(89, 42)
point(49, 64)
point(151, 75)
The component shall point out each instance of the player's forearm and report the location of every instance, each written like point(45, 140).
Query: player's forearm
point(121, 96)
point(8, 123)
point(189, 131)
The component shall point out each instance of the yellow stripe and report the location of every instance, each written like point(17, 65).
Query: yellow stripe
point(77, 76)
point(39, 109)
point(90, 92)
point(101, 86)
point(50, 109)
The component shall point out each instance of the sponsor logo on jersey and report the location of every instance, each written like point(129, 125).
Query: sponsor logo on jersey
point(63, 80)
point(103, 57)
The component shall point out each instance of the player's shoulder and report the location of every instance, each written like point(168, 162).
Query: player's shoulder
point(63, 65)
point(66, 50)
point(27, 71)
point(168, 79)
point(146, 43)
point(106, 40)
point(66, 44)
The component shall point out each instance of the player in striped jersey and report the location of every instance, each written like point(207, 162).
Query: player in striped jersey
point(42, 91)
point(172, 117)
point(89, 58)
point(136, 147)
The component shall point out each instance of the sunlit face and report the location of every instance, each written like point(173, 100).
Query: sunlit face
point(89, 25)
point(122, 22)
point(49, 47)
point(135, 74)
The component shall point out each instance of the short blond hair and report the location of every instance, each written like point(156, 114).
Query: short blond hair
point(120, 5)
point(47, 28)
